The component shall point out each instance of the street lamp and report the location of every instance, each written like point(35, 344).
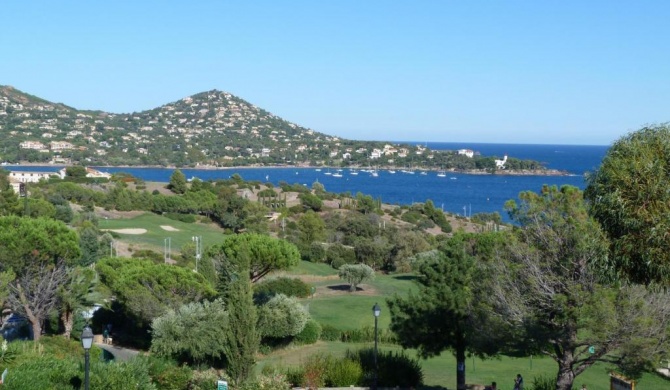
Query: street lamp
point(86, 341)
point(198, 250)
point(376, 310)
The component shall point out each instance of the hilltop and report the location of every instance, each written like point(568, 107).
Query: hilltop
point(208, 129)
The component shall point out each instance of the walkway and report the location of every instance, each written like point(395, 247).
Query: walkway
point(120, 354)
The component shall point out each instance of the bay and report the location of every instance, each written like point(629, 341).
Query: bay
point(457, 193)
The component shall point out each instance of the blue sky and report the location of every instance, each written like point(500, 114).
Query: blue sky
point(565, 72)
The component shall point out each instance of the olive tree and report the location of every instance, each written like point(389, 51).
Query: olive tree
point(355, 274)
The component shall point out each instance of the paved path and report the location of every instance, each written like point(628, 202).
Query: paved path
point(120, 354)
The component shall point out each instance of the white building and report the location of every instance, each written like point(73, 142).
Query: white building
point(466, 152)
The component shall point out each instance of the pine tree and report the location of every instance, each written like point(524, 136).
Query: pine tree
point(178, 182)
point(242, 338)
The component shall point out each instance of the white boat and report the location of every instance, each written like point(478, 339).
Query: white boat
point(391, 171)
point(441, 174)
point(328, 173)
point(354, 172)
point(337, 174)
point(374, 173)
point(318, 169)
point(423, 173)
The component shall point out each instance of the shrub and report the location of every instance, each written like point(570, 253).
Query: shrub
point(269, 381)
point(344, 372)
point(281, 317)
point(330, 333)
point(310, 333)
point(205, 380)
point(291, 287)
point(395, 369)
point(543, 383)
point(177, 378)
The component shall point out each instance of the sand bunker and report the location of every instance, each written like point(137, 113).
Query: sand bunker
point(127, 231)
point(169, 228)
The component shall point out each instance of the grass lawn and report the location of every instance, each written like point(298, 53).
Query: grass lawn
point(440, 372)
point(154, 237)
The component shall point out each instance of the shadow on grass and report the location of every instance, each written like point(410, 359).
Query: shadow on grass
point(342, 287)
point(405, 277)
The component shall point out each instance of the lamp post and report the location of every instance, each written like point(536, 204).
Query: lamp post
point(86, 341)
point(198, 250)
point(376, 310)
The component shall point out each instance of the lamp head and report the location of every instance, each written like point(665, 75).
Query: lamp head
point(376, 310)
point(87, 338)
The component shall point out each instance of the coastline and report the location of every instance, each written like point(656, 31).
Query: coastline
point(520, 172)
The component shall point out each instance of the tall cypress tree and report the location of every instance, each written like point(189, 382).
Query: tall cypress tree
point(242, 338)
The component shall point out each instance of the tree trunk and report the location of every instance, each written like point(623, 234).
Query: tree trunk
point(68, 323)
point(460, 364)
point(34, 321)
point(565, 376)
point(37, 329)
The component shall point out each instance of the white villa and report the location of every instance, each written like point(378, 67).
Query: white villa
point(466, 152)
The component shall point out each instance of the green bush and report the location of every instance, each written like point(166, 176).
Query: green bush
point(205, 380)
point(344, 373)
point(330, 333)
point(395, 369)
point(295, 376)
point(44, 372)
point(543, 383)
point(411, 216)
point(270, 381)
point(118, 376)
point(281, 317)
point(177, 378)
point(291, 287)
point(310, 333)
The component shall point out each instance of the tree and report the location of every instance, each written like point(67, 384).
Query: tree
point(192, 333)
point(449, 310)
point(266, 253)
point(242, 338)
point(88, 241)
point(630, 196)
point(28, 242)
point(355, 274)
point(178, 182)
point(552, 290)
point(281, 317)
point(35, 293)
point(147, 290)
point(75, 172)
point(311, 201)
point(76, 293)
point(6, 277)
point(311, 228)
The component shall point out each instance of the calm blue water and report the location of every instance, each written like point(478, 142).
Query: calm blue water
point(457, 193)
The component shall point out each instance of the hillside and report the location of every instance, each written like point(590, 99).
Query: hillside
point(211, 128)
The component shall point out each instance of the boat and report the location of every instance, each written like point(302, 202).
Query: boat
point(441, 174)
point(423, 173)
point(337, 174)
point(328, 173)
point(318, 169)
point(354, 172)
point(391, 171)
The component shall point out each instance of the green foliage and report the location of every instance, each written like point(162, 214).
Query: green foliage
point(88, 242)
point(311, 201)
point(27, 241)
point(337, 255)
point(193, 333)
point(395, 369)
point(311, 228)
point(344, 373)
point(330, 333)
point(629, 195)
point(310, 333)
point(242, 336)
point(267, 381)
point(266, 253)
point(291, 287)
point(355, 274)
point(178, 182)
point(281, 317)
point(75, 171)
point(543, 383)
point(147, 290)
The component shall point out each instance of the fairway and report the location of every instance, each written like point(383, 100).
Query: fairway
point(158, 228)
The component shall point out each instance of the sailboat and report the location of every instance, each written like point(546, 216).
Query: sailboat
point(442, 173)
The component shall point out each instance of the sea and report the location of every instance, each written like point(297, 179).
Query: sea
point(457, 193)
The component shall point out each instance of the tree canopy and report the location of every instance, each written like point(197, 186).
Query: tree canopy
point(630, 196)
point(266, 253)
point(147, 290)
